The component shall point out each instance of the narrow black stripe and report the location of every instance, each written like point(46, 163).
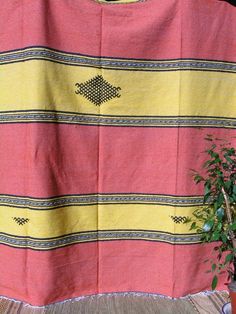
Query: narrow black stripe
point(81, 243)
point(107, 57)
point(103, 230)
point(126, 126)
point(60, 117)
point(121, 69)
point(114, 116)
point(97, 199)
point(80, 237)
point(50, 55)
point(113, 235)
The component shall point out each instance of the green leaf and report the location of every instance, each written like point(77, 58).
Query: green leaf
point(207, 164)
point(231, 199)
point(219, 226)
point(208, 225)
point(228, 159)
point(228, 184)
point(215, 236)
point(234, 189)
point(207, 187)
point(220, 213)
point(219, 172)
point(231, 151)
point(198, 178)
point(220, 200)
point(225, 166)
point(229, 258)
point(193, 226)
point(206, 197)
point(213, 267)
point(224, 238)
point(233, 226)
point(214, 282)
point(214, 154)
point(187, 220)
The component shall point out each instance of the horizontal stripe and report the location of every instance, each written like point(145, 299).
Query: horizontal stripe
point(49, 54)
point(30, 161)
point(94, 199)
point(51, 223)
point(31, 86)
point(32, 116)
point(94, 236)
point(76, 26)
point(79, 266)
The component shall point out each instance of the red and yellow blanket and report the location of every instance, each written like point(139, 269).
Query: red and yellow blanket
point(103, 111)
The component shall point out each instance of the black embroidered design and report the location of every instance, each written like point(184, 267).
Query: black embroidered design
point(178, 219)
point(20, 221)
point(97, 90)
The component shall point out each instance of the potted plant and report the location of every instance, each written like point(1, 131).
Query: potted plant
point(216, 219)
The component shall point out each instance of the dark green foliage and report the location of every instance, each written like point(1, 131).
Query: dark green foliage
point(216, 219)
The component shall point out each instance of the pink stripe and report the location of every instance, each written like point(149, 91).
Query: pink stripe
point(155, 268)
point(40, 278)
point(48, 159)
point(44, 160)
point(76, 270)
point(152, 29)
point(153, 160)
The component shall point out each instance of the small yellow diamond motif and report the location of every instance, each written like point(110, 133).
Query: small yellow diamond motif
point(97, 90)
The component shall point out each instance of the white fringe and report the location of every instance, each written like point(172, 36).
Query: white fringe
point(123, 294)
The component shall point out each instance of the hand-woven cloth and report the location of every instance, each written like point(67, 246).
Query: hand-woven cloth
point(104, 107)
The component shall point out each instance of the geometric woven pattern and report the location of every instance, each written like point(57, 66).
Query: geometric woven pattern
point(100, 105)
point(20, 221)
point(93, 236)
point(179, 219)
point(97, 90)
point(102, 198)
point(49, 54)
point(49, 116)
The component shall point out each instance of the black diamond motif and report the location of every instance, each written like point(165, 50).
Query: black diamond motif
point(20, 221)
point(178, 219)
point(98, 90)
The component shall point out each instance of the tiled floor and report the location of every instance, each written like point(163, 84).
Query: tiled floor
point(201, 304)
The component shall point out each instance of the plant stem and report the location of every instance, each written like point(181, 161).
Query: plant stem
point(231, 233)
point(227, 204)
point(234, 274)
point(229, 217)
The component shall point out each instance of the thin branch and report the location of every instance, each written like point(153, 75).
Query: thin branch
point(229, 217)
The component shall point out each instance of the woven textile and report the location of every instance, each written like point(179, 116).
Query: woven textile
point(104, 107)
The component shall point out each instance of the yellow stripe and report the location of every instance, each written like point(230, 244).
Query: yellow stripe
point(53, 223)
point(51, 86)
